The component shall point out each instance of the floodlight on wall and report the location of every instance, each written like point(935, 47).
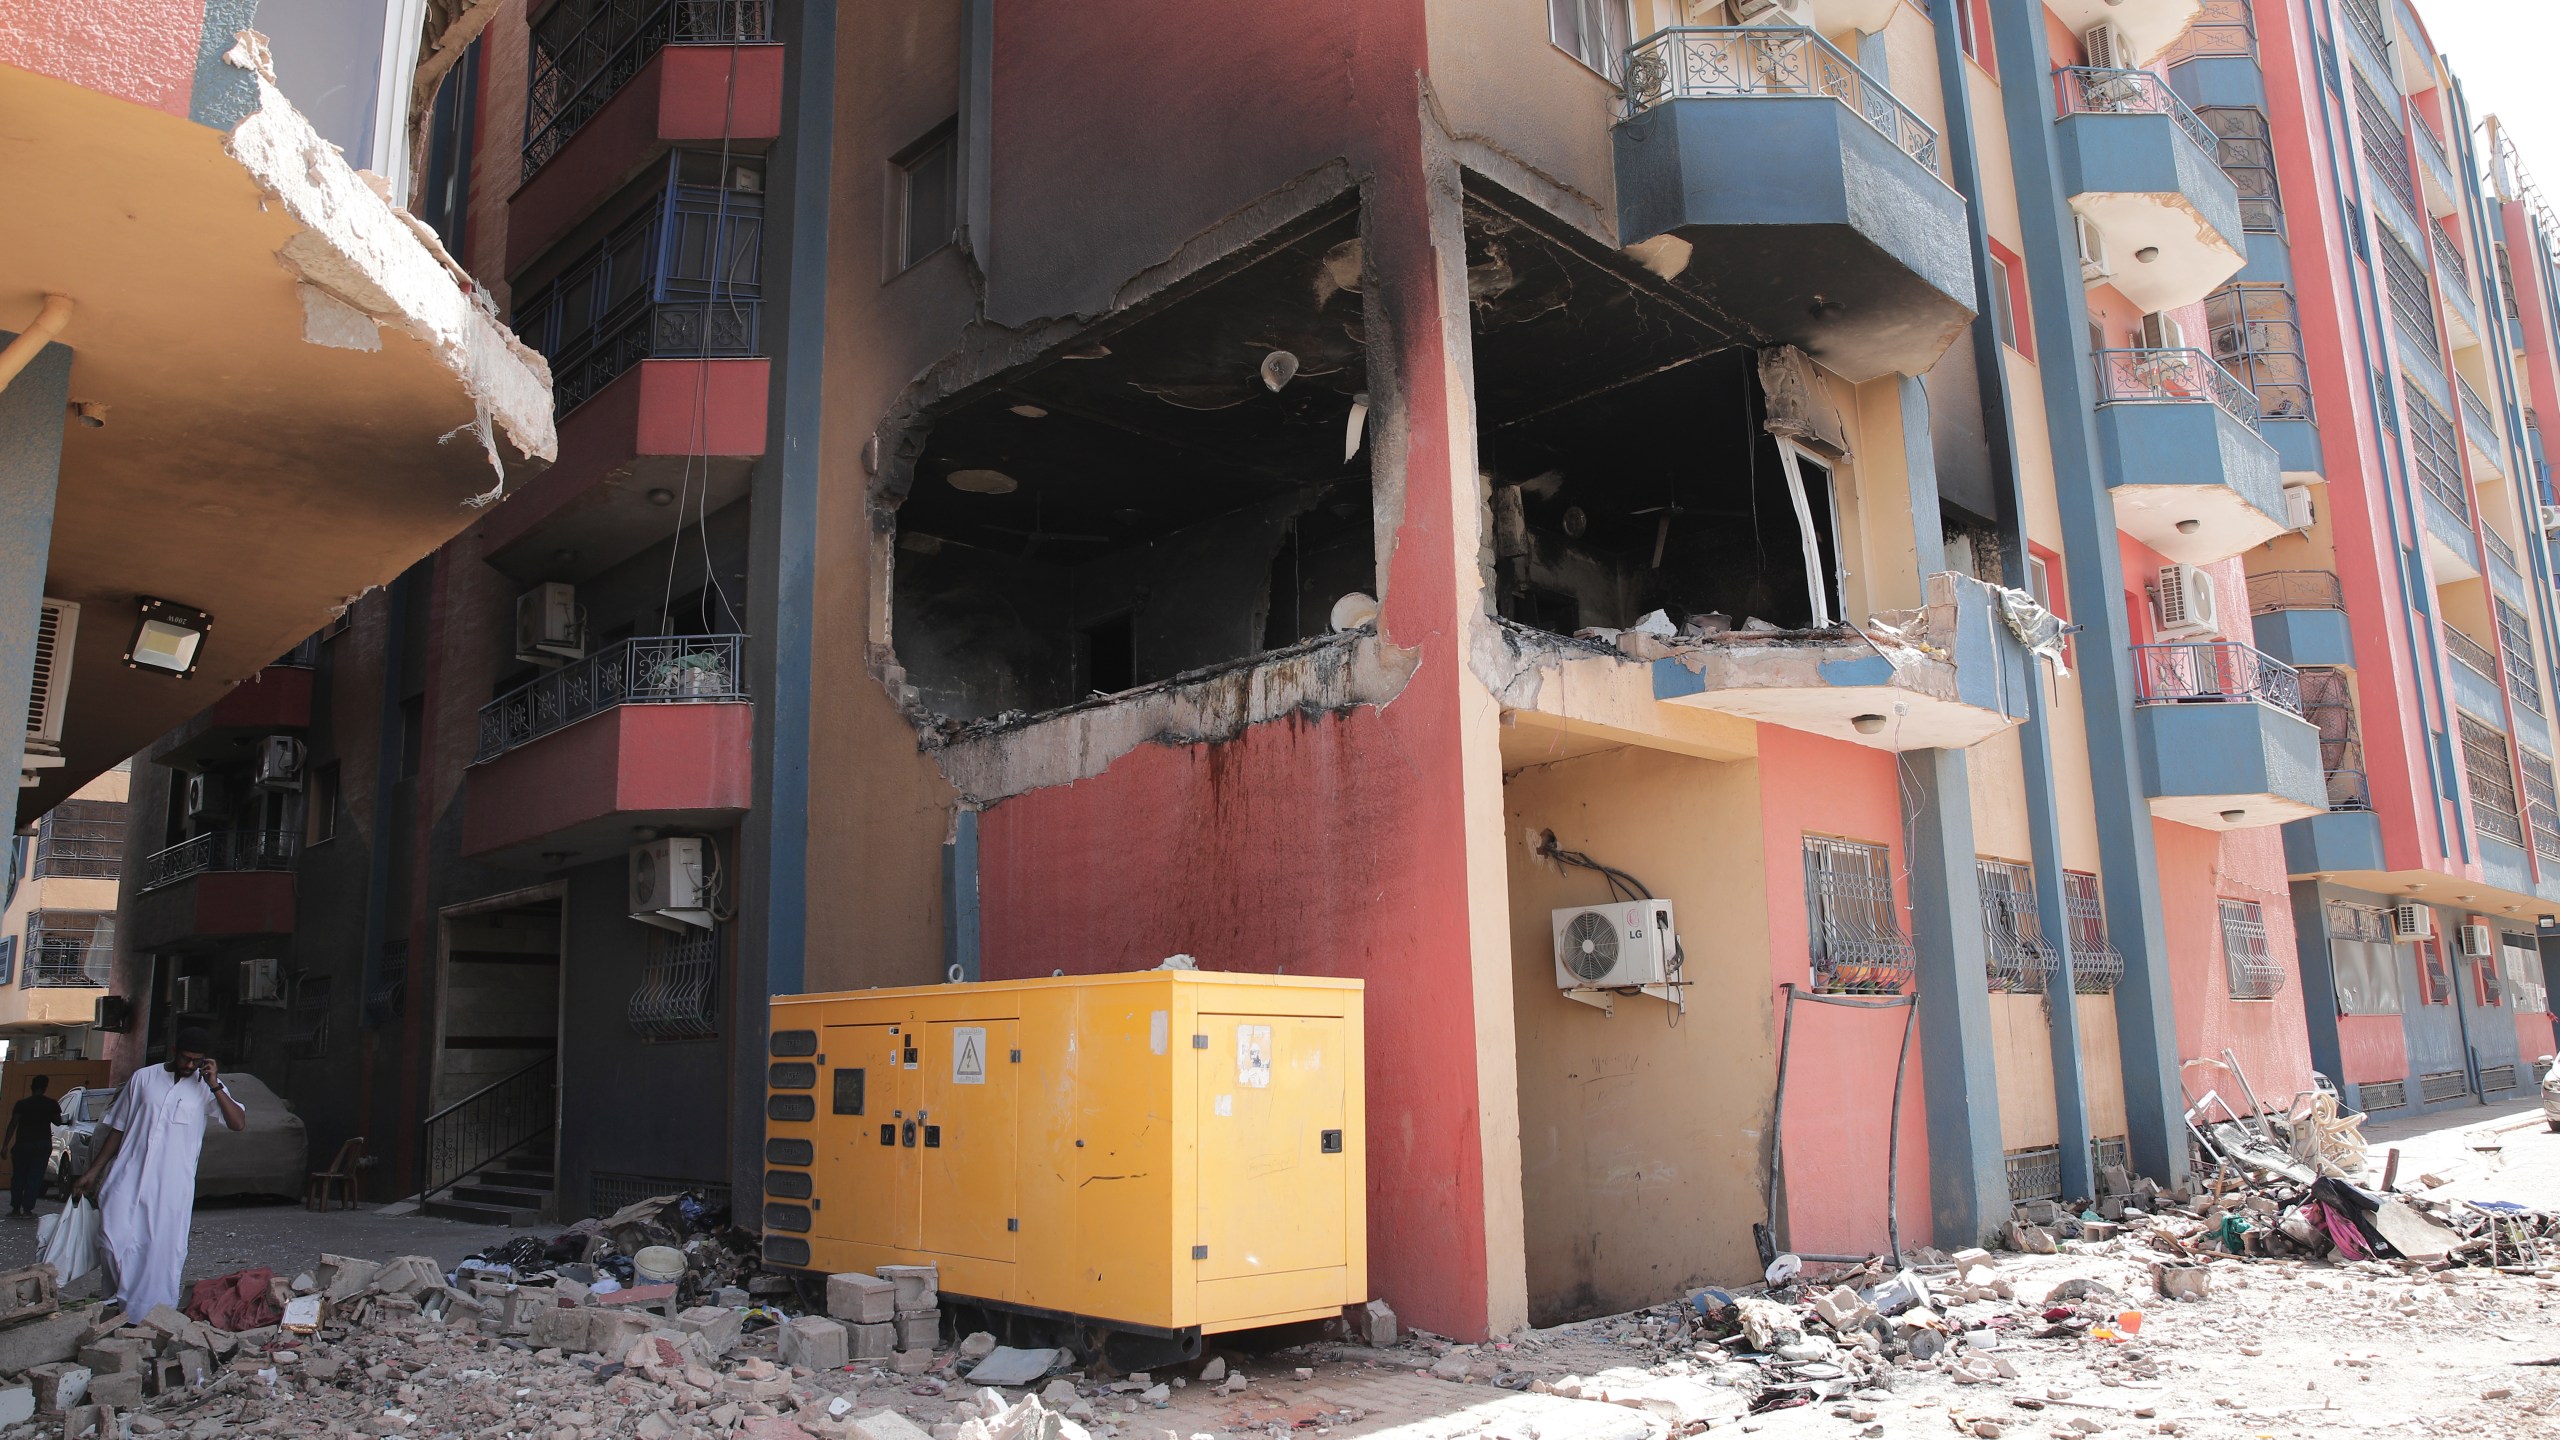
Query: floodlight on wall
point(168, 638)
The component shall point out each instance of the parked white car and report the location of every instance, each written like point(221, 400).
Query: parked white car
point(271, 1157)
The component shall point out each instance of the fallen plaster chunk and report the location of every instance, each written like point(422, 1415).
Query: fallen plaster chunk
point(356, 250)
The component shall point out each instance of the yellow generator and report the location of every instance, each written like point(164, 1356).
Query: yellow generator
point(1170, 1152)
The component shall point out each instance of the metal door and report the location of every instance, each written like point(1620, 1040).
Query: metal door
point(866, 1162)
point(967, 1106)
point(2439, 1069)
point(1272, 1172)
point(2489, 1017)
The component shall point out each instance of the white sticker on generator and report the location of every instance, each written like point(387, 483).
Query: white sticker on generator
point(1253, 1056)
point(1159, 1031)
point(1225, 1105)
point(968, 1055)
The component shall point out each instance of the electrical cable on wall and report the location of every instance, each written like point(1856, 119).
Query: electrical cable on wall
point(1628, 889)
point(699, 445)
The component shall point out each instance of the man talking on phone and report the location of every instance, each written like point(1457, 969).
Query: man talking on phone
point(156, 1130)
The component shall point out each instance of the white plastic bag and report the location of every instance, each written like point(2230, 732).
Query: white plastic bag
point(69, 1241)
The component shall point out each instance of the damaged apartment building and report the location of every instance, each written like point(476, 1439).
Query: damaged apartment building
point(1676, 541)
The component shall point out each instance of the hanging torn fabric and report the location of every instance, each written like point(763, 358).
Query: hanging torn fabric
point(2037, 628)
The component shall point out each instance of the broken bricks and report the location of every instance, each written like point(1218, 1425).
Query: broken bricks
point(814, 1342)
point(859, 1299)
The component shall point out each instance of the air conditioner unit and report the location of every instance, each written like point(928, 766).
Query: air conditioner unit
point(2104, 47)
point(204, 797)
point(550, 629)
point(280, 763)
point(262, 982)
point(2161, 331)
point(668, 886)
point(2476, 941)
point(2093, 249)
point(2550, 518)
point(1600, 947)
point(2297, 507)
point(191, 994)
point(2186, 603)
point(2413, 922)
point(111, 1013)
point(1774, 12)
point(57, 626)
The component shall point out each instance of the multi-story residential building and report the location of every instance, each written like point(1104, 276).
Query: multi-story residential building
point(423, 927)
point(58, 920)
point(1329, 488)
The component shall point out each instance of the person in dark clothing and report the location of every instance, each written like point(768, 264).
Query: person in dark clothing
point(29, 1142)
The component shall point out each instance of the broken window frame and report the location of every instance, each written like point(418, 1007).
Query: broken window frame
point(2016, 956)
point(2249, 966)
point(2364, 959)
point(1831, 602)
point(2096, 964)
point(1855, 941)
point(2435, 977)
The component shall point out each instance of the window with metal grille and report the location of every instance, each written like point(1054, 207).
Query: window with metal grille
point(2488, 773)
point(81, 838)
point(2364, 959)
point(2382, 1095)
point(68, 949)
point(2224, 30)
point(2541, 802)
point(8, 958)
point(2257, 335)
point(2385, 148)
point(2254, 973)
point(2246, 152)
point(2096, 964)
point(2507, 281)
point(2329, 704)
point(678, 997)
point(2034, 1173)
point(2385, 407)
point(2366, 17)
point(2413, 302)
point(2106, 1150)
point(2515, 641)
point(2439, 454)
point(1856, 936)
point(2520, 965)
point(2435, 978)
point(2015, 952)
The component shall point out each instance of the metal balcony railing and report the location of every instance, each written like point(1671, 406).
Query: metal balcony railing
point(2274, 590)
point(2366, 17)
point(1692, 62)
point(2348, 790)
point(2500, 550)
point(220, 852)
point(665, 670)
point(2189, 376)
point(586, 50)
point(2448, 256)
point(2432, 146)
point(2477, 410)
point(68, 950)
point(2088, 91)
point(2224, 30)
point(2213, 671)
point(499, 1119)
point(2472, 654)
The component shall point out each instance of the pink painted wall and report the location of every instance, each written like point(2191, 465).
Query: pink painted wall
point(138, 50)
point(2534, 1037)
point(1840, 1074)
point(630, 759)
point(2373, 1047)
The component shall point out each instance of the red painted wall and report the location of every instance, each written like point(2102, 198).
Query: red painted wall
point(685, 94)
point(629, 759)
point(276, 698)
point(1840, 1074)
point(2372, 1047)
point(256, 903)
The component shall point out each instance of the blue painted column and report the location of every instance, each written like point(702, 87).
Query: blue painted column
point(2146, 1020)
point(31, 421)
point(1968, 1180)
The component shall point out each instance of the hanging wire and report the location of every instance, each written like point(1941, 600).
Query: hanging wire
point(1622, 887)
point(699, 444)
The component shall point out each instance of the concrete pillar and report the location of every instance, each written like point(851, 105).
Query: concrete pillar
point(1968, 1183)
point(31, 421)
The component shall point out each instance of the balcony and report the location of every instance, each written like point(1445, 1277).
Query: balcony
point(616, 84)
point(277, 698)
point(2442, 185)
point(2141, 168)
point(2300, 617)
point(654, 335)
point(67, 950)
point(2462, 309)
point(2475, 678)
point(2480, 430)
point(1809, 196)
point(2189, 473)
point(226, 885)
point(2223, 743)
point(1945, 676)
point(650, 734)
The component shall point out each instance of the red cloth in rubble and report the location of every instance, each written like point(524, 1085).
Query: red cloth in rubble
point(237, 1301)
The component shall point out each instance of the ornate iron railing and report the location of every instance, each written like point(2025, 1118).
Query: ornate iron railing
point(2448, 256)
point(80, 838)
point(1691, 62)
point(667, 670)
point(2254, 971)
point(2213, 671)
point(2141, 376)
point(586, 50)
point(2487, 774)
point(2478, 412)
point(2015, 951)
point(222, 850)
point(2499, 549)
point(1858, 944)
point(2366, 17)
point(2096, 963)
point(2431, 146)
point(68, 950)
point(2274, 590)
point(2473, 655)
point(486, 1125)
point(2089, 91)
point(2348, 790)
point(2224, 30)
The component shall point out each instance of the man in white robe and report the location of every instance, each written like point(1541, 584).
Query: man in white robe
point(156, 1130)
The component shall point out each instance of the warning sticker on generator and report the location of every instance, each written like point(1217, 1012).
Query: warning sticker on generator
point(1253, 1056)
point(968, 1055)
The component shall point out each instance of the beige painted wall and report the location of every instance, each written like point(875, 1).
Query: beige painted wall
point(1642, 1143)
point(2022, 1054)
point(1507, 94)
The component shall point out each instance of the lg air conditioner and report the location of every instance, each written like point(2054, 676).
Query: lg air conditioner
point(2477, 943)
point(280, 763)
point(2550, 518)
point(1603, 947)
point(2413, 922)
point(2093, 249)
point(262, 982)
point(1774, 12)
point(2186, 601)
point(2297, 507)
point(668, 883)
point(550, 629)
point(2161, 331)
point(2104, 48)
